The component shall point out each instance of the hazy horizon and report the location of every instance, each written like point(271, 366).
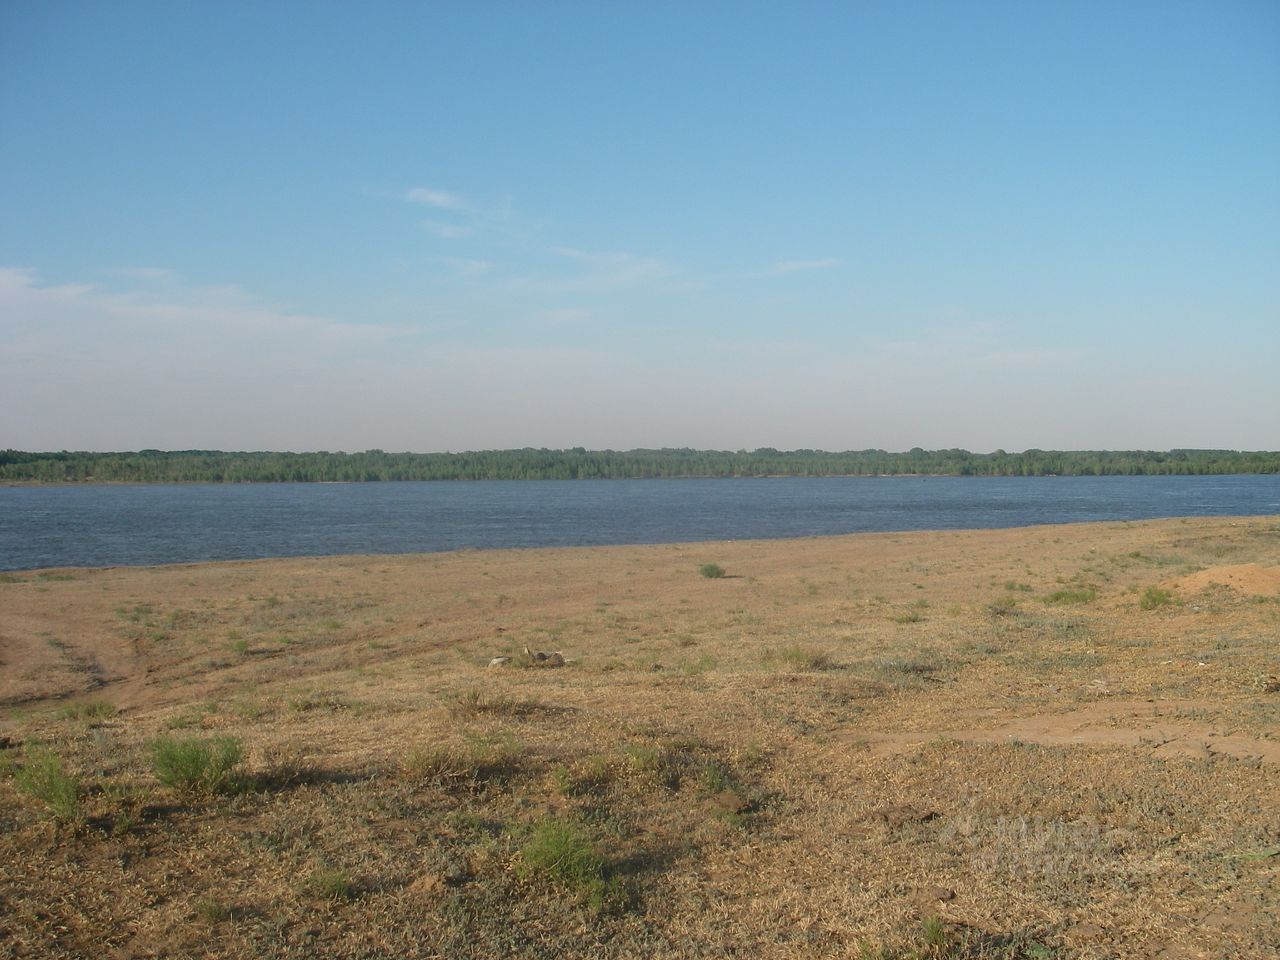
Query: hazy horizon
point(494, 226)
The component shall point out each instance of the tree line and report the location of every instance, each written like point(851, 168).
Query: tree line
point(216, 466)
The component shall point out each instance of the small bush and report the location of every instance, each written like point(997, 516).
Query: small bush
point(1155, 597)
point(1071, 595)
point(328, 884)
point(651, 766)
point(561, 851)
point(934, 934)
point(193, 765)
point(212, 910)
point(807, 658)
point(712, 571)
point(43, 777)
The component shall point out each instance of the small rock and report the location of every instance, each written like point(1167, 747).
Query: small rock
point(539, 659)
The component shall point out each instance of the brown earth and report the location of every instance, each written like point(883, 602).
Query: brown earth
point(1250, 579)
point(841, 740)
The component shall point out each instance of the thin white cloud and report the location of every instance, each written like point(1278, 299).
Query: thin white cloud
point(440, 199)
point(799, 266)
point(603, 270)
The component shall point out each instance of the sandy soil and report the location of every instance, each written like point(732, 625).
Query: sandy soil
point(821, 754)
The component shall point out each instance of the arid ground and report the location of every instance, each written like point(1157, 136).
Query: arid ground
point(1051, 742)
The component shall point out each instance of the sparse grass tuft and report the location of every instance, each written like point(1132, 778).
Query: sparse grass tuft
point(934, 935)
point(44, 778)
point(591, 776)
point(807, 658)
point(326, 883)
point(197, 766)
point(212, 910)
point(561, 851)
point(1071, 595)
point(457, 764)
point(87, 710)
point(712, 571)
point(1155, 597)
point(473, 703)
point(1002, 607)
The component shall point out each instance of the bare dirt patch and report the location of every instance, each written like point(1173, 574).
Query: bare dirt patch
point(1251, 579)
point(1158, 729)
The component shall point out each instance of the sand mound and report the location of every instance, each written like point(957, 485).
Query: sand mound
point(1247, 578)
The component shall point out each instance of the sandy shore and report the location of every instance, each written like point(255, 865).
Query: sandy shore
point(1053, 741)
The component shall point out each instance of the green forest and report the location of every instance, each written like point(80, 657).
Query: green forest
point(216, 466)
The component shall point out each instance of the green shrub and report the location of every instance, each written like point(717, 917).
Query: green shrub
point(712, 571)
point(934, 934)
point(562, 852)
point(194, 765)
point(43, 777)
point(1155, 597)
point(1071, 595)
point(212, 910)
point(328, 884)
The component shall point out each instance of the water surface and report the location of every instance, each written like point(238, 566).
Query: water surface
point(160, 523)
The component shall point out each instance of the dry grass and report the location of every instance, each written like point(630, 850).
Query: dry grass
point(968, 744)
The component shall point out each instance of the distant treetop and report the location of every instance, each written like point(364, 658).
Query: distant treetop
point(216, 466)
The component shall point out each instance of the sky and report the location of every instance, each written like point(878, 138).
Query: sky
point(471, 225)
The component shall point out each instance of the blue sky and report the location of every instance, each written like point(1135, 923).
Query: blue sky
point(463, 225)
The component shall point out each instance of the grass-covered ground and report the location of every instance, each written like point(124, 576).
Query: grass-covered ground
point(1046, 742)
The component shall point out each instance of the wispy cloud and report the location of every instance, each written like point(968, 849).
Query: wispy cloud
point(608, 270)
point(798, 266)
point(440, 199)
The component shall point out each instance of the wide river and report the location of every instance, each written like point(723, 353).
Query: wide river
point(144, 524)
